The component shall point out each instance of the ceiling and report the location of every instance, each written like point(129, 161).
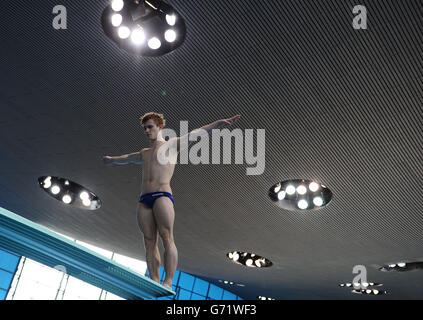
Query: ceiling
point(338, 105)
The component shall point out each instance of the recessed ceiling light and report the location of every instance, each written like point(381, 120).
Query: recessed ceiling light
point(402, 266)
point(281, 195)
point(117, 5)
point(170, 35)
point(300, 195)
point(231, 283)
point(302, 204)
point(117, 20)
point(264, 298)
point(318, 201)
point(138, 36)
point(67, 198)
point(313, 186)
point(55, 189)
point(364, 285)
point(301, 189)
point(124, 32)
point(69, 192)
point(46, 183)
point(163, 28)
point(370, 292)
point(171, 19)
point(249, 259)
point(290, 190)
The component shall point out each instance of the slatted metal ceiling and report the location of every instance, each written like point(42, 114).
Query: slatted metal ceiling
point(338, 105)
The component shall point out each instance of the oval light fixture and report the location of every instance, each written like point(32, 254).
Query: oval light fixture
point(264, 298)
point(373, 292)
point(231, 283)
point(250, 260)
point(161, 26)
point(300, 194)
point(69, 192)
point(402, 266)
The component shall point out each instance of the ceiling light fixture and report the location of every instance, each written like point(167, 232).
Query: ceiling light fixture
point(69, 192)
point(362, 285)
point(154, 20)
point(373, 292)
point(264, 298)
point(231, 283)
point(250, 260)
point(300, 194)
point(402, 266)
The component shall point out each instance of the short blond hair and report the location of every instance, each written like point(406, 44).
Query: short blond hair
point(157, 117)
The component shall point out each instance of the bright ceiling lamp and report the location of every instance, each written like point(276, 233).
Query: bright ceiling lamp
point(360, 285)
point(249, 259)
point(402, 266)
point(170, 35)
point(264, 298)
point(124, 32)
point(300, 194)
point(171, 19)
point(69, 192)
point(373, 292)
point(117, 5)
point(231, 283)
point(162, 27)
point(138, 36)
point(116, 20)
point(154, 43)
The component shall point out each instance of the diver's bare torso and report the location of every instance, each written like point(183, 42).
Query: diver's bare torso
point(156, 177)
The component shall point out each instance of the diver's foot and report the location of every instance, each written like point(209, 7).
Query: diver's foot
point(167, 286)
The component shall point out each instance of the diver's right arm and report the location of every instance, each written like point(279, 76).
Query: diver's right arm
point(134, 158)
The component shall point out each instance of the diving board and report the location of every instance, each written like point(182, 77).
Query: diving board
point(26, 238)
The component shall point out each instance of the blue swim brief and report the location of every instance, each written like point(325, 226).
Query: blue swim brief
point(149, 198)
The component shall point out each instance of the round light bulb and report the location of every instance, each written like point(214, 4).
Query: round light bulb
point(86, 202)
point(170, 35)
point(318, 201)
point(84, 195)
point(116, 20)
point(290, 190)
point(67, 198)
point(258, 263)
point(124, 32)
point(230, 255)
point(301, 189)
point(47, 182)
point(401, 264)
point(281, 195)
point(368, 291)
point(375, 291)
point(302, 204)
point(154, 43)
point(171, 19)
point(277, 188)
point(138, 36)
point(236, 256)
point(117, 5)
point(392, 265)
point(313, 186)
point(55, 189)
point(249, 262)
point(365, 284)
